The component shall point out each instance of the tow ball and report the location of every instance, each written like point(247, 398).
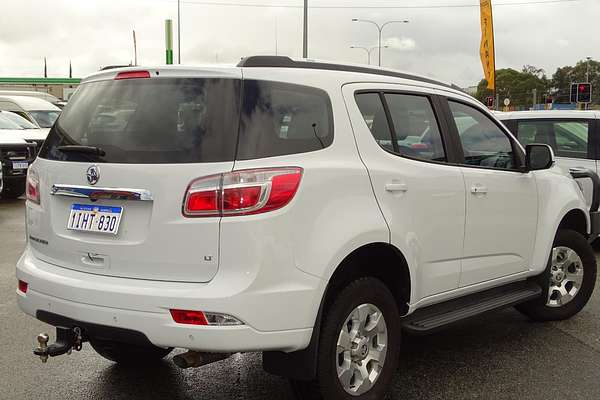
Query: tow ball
point(67, 339)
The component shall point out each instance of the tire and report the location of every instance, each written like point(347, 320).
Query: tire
point(564, 298)
point(13, 189)
point(128, 354)
point(364, 296)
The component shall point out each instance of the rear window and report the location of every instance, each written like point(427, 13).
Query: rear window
point(191, 120)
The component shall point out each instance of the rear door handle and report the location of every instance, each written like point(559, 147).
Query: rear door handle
point(396, 187)
point(479, 189)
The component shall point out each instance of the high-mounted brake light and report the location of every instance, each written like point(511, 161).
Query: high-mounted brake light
point(243, 192)
point(132, 75)
point(33, 186)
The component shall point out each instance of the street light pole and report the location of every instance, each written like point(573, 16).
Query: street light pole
point(179, 31)
point(305, 31)
point(368, 50)
point(587, 74)
point(380, 29)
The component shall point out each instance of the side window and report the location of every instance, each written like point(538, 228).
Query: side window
point(567, 138)
point(372, 110)
point(484, 143)
point(571, 139)
point(415, 126)
point(282, 118)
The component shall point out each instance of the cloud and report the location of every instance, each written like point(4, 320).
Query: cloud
point(443, 43)
point(402, 44)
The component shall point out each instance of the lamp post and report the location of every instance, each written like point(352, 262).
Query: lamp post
point(305, 31)
point(380, 29)
point(587, 74)
point(369, 50)
point(178, 32)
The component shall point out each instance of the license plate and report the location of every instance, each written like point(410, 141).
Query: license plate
point(90, 218)
point(20, 164)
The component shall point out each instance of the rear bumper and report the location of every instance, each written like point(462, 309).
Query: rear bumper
point(143, 306)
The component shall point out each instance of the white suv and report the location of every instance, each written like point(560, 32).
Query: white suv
point(307, 210)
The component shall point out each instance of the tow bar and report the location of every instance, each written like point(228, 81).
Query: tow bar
point(67, 339)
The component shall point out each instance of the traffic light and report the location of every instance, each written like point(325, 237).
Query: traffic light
point(573, 97)
point(584, 93)
point(489, 101)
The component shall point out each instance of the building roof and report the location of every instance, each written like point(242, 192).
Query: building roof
point(39, 81)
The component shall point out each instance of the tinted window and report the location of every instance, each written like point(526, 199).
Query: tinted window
point(415, 126)
point(150, 121)
point(567, 138)
point(484, 143)
point(372, 110)
point(279, 119)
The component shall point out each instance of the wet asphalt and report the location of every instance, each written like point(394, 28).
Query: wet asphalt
point(498, 356)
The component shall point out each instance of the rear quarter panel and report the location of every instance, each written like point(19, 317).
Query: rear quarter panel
point(333, 213)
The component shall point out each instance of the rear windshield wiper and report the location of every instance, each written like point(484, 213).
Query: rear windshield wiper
point(82, 149)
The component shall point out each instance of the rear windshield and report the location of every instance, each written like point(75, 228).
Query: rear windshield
point(190, 120)
point(149, 121)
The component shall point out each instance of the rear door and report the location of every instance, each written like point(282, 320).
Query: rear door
point(402, 142)
point(158, 134)
point(502, 202)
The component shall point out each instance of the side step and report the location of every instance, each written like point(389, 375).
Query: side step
point(437, 316)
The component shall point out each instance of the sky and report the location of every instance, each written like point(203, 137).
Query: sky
point(441, 41)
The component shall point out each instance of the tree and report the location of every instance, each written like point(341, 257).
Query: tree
point(565, 76)
point(517, 86)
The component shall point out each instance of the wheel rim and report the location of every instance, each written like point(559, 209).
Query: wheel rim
point(566, 276)
point(361, 349)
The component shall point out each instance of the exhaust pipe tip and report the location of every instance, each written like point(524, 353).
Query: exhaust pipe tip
point(181, 361)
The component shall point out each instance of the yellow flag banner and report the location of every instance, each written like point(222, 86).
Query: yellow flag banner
point(487, 43)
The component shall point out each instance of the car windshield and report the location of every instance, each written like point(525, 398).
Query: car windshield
point(45, 119)
point(17, 119)
point(6, 123)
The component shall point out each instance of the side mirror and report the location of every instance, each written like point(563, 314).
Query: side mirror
point(538, 157)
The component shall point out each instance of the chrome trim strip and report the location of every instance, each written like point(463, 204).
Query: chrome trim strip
point(97, 193)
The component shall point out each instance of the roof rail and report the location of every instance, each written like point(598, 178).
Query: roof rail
point(287, 62)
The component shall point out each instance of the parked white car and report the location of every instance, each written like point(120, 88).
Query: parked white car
point(35, 110)
point(31, 93)
point(23, 128)
point(307, 210)
point(573, 135)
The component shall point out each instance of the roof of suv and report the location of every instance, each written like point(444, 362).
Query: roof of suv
point(283, 62)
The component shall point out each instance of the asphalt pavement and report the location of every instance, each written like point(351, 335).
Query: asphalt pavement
point(498, 356)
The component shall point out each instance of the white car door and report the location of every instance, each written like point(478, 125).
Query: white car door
point(421, 196)
point(502, 202)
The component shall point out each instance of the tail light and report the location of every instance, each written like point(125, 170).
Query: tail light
point(246, 192)
point(23, 286)
point(33, 186)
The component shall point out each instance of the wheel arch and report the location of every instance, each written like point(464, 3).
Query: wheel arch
point(392, 269)
point(576, 220)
